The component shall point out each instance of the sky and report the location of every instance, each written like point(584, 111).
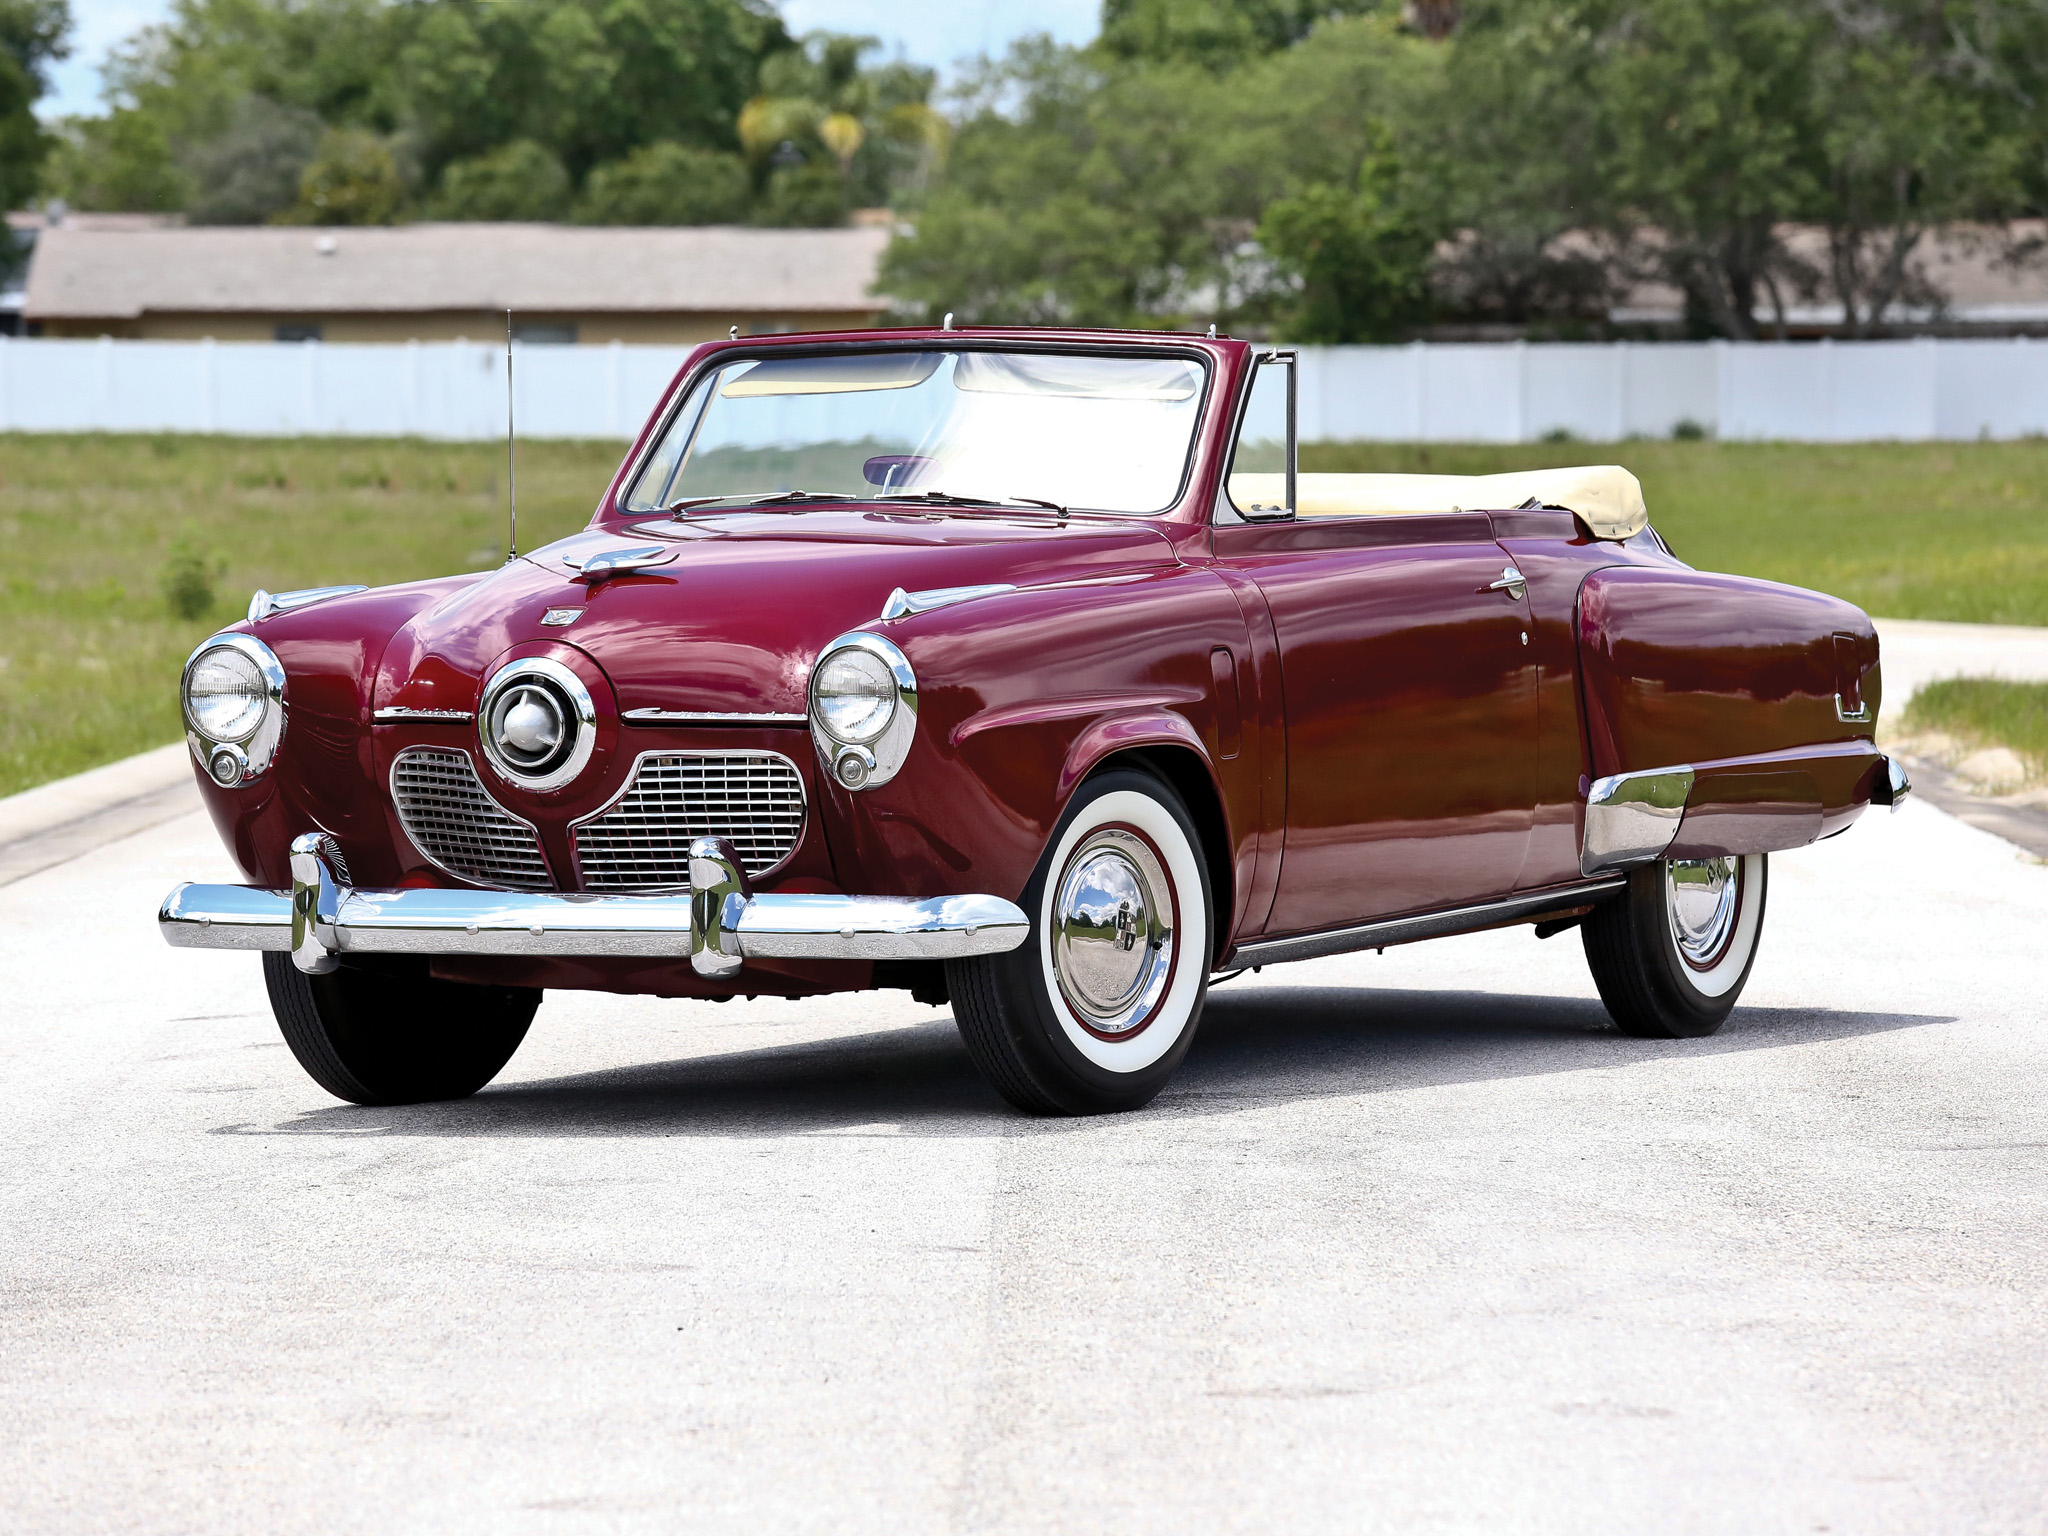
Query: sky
point(936, 32)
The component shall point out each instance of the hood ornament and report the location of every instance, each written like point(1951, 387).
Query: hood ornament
point(608, 563)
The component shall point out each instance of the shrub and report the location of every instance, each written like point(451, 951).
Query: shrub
point(667, 183)
point(188, 579)
point(520, 181)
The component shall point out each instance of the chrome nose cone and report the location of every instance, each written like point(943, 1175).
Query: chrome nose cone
point(533, 726)
point(537, 723)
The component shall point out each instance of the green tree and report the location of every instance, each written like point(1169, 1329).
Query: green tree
point(33, 33)
point(821, 109)
point(1682, 139)
point(1910, 139)
point(250, 173)
point(352, 180)
point(1360, 254)
point(668, 183)
point(1216, 34)
point(520, 180)
point(1085, 189)
point(448, 83)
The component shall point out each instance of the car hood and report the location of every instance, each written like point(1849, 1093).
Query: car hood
point(734, 613)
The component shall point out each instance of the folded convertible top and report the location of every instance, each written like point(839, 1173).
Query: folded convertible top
point(1606, 497)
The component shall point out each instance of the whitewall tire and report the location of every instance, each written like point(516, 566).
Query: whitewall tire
point(1672, 953)
point(1096, 1009)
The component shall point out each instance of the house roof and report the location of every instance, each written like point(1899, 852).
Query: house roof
point(108, 274)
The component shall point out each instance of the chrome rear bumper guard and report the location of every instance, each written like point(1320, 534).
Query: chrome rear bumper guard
point(719, 924)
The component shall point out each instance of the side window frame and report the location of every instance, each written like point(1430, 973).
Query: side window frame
point(1228, 510)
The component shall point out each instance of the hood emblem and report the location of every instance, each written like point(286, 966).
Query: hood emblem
point(561, 618)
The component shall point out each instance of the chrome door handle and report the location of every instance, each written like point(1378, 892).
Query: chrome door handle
point(1510, 582)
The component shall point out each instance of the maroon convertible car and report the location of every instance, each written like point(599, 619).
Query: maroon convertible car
point(1024, 671)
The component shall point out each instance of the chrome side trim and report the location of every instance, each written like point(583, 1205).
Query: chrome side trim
point(902, 604)
point(1631, 818)
point(1427, 925)
point(1861, 715)
point(263, 604)
point(709, 717)
point(321, 919)
point(392, 712)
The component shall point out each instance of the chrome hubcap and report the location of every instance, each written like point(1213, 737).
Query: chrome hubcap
point(1112, 932)
point(1701, 897)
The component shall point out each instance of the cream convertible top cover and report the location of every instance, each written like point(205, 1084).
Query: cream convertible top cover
point(1607, 498)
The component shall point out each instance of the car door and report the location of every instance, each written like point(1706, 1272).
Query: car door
point(1410, 698)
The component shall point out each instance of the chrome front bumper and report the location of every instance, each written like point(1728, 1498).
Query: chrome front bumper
point(717, 925)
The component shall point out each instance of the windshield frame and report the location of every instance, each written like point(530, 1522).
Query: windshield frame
point(759, 349)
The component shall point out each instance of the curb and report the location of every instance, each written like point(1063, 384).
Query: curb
point(56, 822)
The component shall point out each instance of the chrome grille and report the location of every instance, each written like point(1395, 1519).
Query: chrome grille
point(452, 819)
point(642, 842)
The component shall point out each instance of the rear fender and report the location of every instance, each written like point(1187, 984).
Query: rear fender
point(1724, 715)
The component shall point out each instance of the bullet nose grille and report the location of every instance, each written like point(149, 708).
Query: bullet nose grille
point(642, 843)
point(452, 819)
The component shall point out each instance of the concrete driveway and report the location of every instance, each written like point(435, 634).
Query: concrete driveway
point(1414, 1243)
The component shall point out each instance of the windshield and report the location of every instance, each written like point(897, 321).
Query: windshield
point(1102, 433)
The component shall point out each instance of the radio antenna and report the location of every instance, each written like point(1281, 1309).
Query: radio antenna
point(511, 467)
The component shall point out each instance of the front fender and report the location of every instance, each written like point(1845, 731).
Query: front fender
point(324, 777)
point(1021, 696)
point(1126, 731)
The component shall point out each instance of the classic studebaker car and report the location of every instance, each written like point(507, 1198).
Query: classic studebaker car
point(1025, 671)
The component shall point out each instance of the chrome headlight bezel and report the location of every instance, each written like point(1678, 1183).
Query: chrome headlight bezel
point(246, 758)
point(580, 718)
point(868, 764)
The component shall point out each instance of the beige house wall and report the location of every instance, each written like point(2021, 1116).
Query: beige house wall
point(475, 325)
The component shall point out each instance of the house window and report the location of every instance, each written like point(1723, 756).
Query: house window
point(545, 333)
point(295, 330)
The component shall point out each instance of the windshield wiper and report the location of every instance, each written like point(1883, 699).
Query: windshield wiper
point(954, 499)
point(755, 499)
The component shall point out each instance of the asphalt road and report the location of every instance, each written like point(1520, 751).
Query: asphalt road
point(1414, 1243)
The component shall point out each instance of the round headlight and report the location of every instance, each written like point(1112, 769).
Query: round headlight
point(856, 695)
point(225, 695)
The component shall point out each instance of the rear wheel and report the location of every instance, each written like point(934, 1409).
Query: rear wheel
point(1095, 1010)
point(394, 1034)
point(1671, 954)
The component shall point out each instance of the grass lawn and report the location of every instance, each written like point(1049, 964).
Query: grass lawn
point(92, 525)
point(90, 658)
point(1986, 712)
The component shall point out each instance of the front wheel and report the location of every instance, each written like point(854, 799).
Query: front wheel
point(1670, 954)
point(394, 1034)
point(1095, 1010)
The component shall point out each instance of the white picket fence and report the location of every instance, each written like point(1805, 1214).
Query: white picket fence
point(1514, 392)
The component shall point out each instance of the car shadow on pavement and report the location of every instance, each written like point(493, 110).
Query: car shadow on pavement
point(1257, 1047)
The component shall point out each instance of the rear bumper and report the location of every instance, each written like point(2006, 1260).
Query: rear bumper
point(717, 925)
